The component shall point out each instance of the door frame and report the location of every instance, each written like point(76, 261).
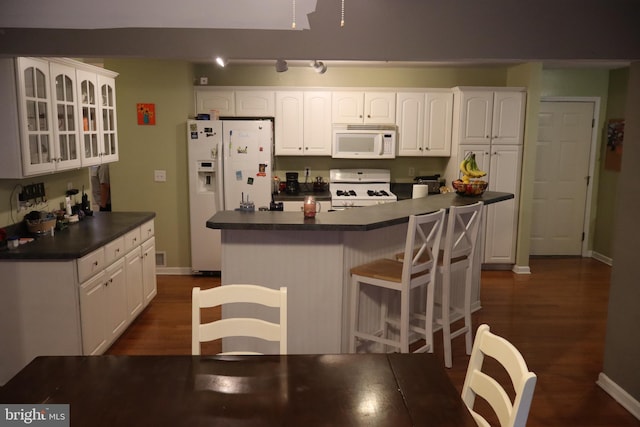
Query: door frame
point(592, 161)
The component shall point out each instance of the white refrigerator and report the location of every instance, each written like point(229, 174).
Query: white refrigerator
point(230, 162)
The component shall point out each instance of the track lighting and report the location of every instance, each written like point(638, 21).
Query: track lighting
point(220, 61)
point(281, 66)
point(319, 67)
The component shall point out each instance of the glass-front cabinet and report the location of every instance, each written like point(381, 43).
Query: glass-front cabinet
point(35, 114)
point(58, 114)
point(108, 124)
point(66, 121)
point(88, 98)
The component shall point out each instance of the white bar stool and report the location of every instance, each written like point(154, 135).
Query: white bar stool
point(417, 270)
point(457, 254)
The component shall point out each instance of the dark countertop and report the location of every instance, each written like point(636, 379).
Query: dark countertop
point(79, 239)
point(355, 219)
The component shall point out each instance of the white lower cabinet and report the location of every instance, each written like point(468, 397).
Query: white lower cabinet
point(502, 164)
point(103, 308)
point(115, 287)
point(117, 319)
point(133, 268)
point(76, 306)
point(93, 311)
point(149, 283)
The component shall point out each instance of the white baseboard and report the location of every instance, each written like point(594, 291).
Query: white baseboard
point(174, 271)
point(602, 258)
point(619, 394)
point(521, 269)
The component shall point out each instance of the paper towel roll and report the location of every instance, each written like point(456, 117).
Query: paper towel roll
point(420, 190)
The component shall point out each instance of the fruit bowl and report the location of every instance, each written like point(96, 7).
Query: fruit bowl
point(472, 188)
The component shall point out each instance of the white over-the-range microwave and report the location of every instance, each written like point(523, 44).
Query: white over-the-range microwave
point(364, 141)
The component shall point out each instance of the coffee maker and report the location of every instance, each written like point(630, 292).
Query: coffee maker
point(292, 185)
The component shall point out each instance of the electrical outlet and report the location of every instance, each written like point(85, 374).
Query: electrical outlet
point(412, 171)
point(160, 175)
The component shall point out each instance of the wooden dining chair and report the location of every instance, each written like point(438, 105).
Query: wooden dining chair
point(457, 255)
point(478, 383)
point(416, 271)
point(238, 326)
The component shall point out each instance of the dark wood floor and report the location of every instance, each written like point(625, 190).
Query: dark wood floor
point(556, 317)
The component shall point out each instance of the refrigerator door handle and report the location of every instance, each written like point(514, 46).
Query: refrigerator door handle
point(220, 175)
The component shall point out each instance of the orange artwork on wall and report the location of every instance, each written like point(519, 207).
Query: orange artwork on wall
point(146, 114)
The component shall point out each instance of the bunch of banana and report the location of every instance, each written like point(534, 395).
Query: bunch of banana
point(469, 168)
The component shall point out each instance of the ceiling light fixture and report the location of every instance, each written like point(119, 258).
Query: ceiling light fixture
point(281, 66)
point(319, 67)
point(221, 62)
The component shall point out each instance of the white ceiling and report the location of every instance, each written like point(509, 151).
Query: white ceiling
point(380, 31)
point(89, 15)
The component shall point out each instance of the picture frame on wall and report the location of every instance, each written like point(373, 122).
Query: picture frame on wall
point(615, 138)
point(146, 114)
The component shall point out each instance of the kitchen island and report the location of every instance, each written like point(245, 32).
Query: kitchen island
point(313, 257)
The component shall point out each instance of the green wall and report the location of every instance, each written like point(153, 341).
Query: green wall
point(55, 186)
point(608, 182)
point(143, 149)
point(529, 76)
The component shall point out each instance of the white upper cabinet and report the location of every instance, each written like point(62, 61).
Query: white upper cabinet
point(424, 123)
point(317, 123)
point(215, 102)
point(65, 106)
point(108, 122)
point(353, 107)
point(35, 112)
point(289, 132)
point(43, 114)
point(303, 123)
point(491, 117)
point(89, 130)
point(255, 103)
point(234, 103)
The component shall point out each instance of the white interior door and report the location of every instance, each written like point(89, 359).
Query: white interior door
point(561, 177)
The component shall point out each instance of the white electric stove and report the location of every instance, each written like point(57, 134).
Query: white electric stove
point(360, 187)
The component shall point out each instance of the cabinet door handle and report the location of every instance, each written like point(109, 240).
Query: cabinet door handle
point(95, 263)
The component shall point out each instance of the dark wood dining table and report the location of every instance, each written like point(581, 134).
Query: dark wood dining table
point(293, 390)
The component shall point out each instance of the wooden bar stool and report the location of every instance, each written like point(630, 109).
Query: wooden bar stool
point(457, 254)
point(417, 270)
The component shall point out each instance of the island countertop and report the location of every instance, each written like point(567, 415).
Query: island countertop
point(356, 219)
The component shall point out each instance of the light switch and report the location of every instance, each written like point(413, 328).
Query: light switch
point(160, 175)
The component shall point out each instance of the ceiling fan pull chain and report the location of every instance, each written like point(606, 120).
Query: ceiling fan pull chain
point(342, 14)
point(293, 18)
